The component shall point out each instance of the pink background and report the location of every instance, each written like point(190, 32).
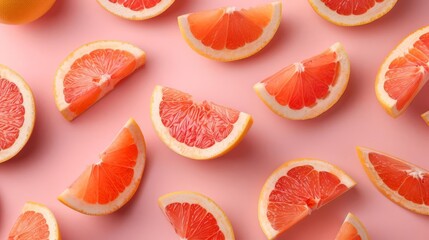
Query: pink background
point(59, 150)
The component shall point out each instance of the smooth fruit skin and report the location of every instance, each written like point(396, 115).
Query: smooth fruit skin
point(23, 11)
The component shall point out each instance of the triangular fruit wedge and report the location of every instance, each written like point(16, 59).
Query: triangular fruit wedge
point(195, 216)
point(308, 88)
point(92, 71)
point(196, 130)
point(17, 113)
point(136, 9)
point(36, 221)
point(403, 73)
point(228, 33)
point(295, 190)
point(352, 229)
point(402, 182)
point(106, 186)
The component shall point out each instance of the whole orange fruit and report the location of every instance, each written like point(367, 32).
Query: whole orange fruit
point(23, 11)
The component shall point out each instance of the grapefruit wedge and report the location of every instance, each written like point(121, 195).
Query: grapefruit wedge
point(196, 130)
point(36, 221)
point(402, 182)
point(352, 12)
point(195, 216)
point(295, 190)
point(106, 186)
point(17, 113)
point(92, 71)
point(425, 117)
point(403, 73)
point(308, 88)
point(352, 229)
point(136, 9)
point(228, 33)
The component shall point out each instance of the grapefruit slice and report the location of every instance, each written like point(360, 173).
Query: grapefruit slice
point(425, 117)
point(195, 216)
point(106, 186)
point(17, 113)
point(91, 72)
point(403, 73)
point(295, 190)
point(308, 88)
point(196, 130)
point(402, 182)
point(352, 229)
point(36, 221)
point(352, 12)
point(136, 9)
point(228, 33)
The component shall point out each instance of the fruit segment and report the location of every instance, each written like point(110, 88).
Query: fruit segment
point(352, 229)
point(228, 34)
point(136, 9)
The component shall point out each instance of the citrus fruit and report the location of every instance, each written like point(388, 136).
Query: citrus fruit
point(23, 11)
point(36, 221)
point(195, 216)
point(403, 73)
point(136, 9)
point(228, 33)
point(425, 117)
point(295, 190)
point(92, 71)
point(106, 186)
point(196, 130)
point(402, 182)
point(306, 89)
point(17, 113)
point(352, 12)
point(352, 229)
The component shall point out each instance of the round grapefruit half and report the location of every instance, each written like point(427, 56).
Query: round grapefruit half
point(136, 9)
point(36, 221)
point(403, 73)
point(295, 190)
point(195, 216)
point(109, 184)
point(352, 229)
point(17, 113)
point(352, 12)
point(228, 34)
point(196, 130)
point(306, 89)
point(402, 182)
point(92, 71)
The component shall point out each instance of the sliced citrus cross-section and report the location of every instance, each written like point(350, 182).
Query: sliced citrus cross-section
point(136, 9)
point(228, 34)
point(403, 73)
point(352, 12)
point(352, 229)
point(36, 221)
point(308, 88)
point(402, 182)
point(196, 130)
point(91, 72)
point(195, 216)
point(17, 113)
point(106, 186)
point(295, 190)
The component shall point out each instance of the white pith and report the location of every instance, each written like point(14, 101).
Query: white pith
point(65, 66)
point(391, 194)
point(403, 48)
point(146, 13)
point(218, 149)
point(69, 199)
point(47, 214)
point(269, 186)
point(321, 105)
point(376, 12)
point(29, 115)
point(239, 53)
point(205, 202)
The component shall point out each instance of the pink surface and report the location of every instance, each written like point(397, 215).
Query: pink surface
point(59, 150)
